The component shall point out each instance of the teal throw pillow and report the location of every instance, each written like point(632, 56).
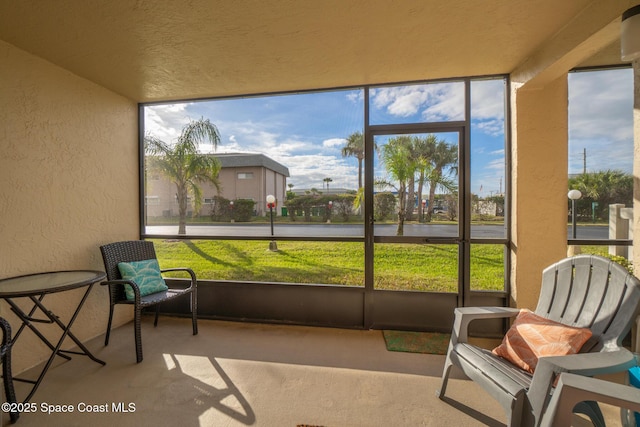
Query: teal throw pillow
point(146, 274)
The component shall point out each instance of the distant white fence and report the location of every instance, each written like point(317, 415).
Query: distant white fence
point(621, 227)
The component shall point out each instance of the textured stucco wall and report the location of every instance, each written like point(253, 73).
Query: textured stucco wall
point(636, 165)
point(539, 185)
point(69, 176)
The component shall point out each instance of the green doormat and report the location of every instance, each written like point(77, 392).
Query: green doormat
point(416, 342)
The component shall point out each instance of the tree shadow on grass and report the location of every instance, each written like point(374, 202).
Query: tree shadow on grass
point(245, 269)
point(196, 250)
point(320, 267)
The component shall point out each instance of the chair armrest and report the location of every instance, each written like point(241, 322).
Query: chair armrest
point(465, 315)
point(134, 286)
point(586, 364)
point(590, 364)
point(573, 389)
point(194, 281)
point(120, 282)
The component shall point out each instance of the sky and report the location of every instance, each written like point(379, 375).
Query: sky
point(306, 132)
point(601, 120)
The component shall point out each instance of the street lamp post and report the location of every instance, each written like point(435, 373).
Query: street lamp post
point(424, 208)
point(330, 205)
point(271, 203)
point(231, 210)
point(574, 195)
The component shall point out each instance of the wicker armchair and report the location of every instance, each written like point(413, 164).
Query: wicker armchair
point(5, 356)
point(139, 250)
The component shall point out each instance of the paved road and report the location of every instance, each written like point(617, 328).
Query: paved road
point(353, 230)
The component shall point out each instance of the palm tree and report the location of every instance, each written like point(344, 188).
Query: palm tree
point(290, 193)
point(327, 180)
point(423, 149)
point(184, 165)
point(603, 187)
point(443, 156)
point(396, 157)
point(411, 181)
point(355, 148)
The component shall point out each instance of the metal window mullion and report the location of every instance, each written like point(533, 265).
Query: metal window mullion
point(368, 216)
point(464, 294)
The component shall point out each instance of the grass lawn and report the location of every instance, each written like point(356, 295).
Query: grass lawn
point(396, 266)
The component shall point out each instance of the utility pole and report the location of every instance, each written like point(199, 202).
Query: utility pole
point(584, 161)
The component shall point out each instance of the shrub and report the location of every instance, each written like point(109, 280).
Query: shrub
point(622, 261)
point(384, 204)
point(242, 210)
point(343, 206)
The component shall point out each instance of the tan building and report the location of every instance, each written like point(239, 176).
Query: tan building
point(243, 176)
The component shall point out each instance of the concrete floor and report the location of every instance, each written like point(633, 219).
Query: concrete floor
point(244, 374)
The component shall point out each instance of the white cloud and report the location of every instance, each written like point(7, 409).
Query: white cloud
point(356, 97)
point(601, 105)
point(449, 106)
point(334, 142)
point(407, 104)
point(247, 136)
point(445, 102)
point(487, 99)
point(435, 102)
point(165, 122)
point(487, 106)
point(309, 171)
point(490, 127)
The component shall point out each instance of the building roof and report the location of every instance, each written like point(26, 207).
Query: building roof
point(239, 160)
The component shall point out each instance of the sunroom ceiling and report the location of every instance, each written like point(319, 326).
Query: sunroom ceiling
point(160, 50)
